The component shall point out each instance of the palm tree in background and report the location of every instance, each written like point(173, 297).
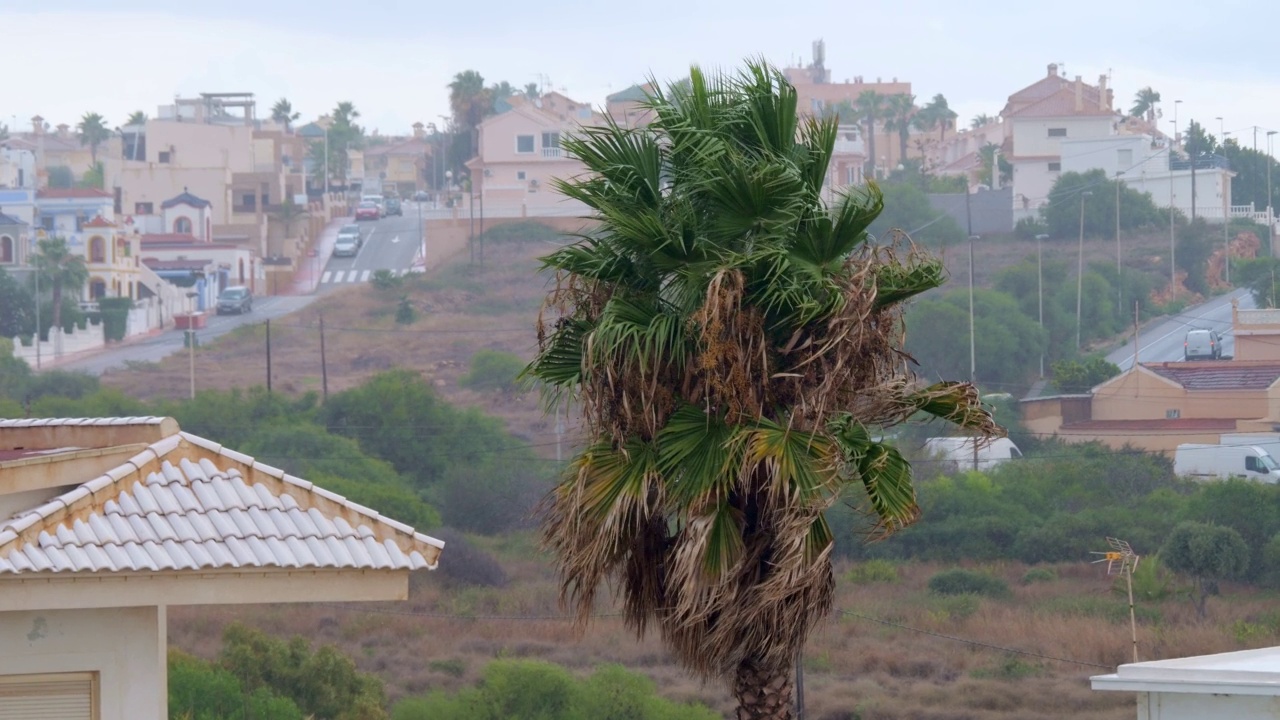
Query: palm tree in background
point(137, 117)
point(4, 132)
point(93, 132)
point(1144, 104)
point(502, 91)
point(941, 114)
point(735, 343)
point(870, 106)
point(980, 121)
point(287, 213)
point(900, 117)
point(531, 91)
point(59, 269)
point(468, 99)
point(282, 112)
point(344, 135)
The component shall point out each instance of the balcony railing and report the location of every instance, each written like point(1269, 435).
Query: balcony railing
point(244, 208)
point(551, 152)
point(1203, 162)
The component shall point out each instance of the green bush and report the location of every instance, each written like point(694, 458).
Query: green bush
point(115, 317)
point(206, 691)
point(528, 231)
point(1071, 376)
point(1028, 228)
point(1038, 575)
point(386, 280)
point(493, 370)
point(958, 581)
point(405, 314)
point(872, 571)
point(453, 666)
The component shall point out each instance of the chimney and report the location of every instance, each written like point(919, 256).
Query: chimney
point(1079, 94)
point(64, 130)
point(37, 125)
point(1102, 93)
point(418, 131)
point(1053, 69)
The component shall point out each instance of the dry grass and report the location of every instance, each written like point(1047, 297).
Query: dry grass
point(854, 667)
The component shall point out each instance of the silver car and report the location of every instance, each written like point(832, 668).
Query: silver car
point(346, 246)
point(1202, 345)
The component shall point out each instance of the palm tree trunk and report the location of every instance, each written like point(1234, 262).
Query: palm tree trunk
point(871, 146)
point(902, 146)
point(762, 693)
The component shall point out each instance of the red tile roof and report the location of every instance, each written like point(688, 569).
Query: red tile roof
point(152, 238)
point(196, 264)
point(100, 222)
point(1219, 375)
point(1176, 425)
point(65, 193)
point(1063, 104)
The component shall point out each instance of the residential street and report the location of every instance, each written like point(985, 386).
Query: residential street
point(1163, 342)
point(389, 244)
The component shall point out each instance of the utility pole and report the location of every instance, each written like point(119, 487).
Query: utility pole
point(324, 365)
point(1226, 208)
point(1271, 217)
point(1040, 294)
point(1080, 272)
point(191, 356)
point(268, 356)
point(37, 316)
point(1191, 155)
point(1173, 236)
point(973, 362)
point(1119, 266)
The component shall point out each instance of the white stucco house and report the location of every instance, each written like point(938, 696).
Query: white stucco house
point(104, 523)
point(1241, 685)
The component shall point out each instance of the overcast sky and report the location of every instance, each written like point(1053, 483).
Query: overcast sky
point(393, 58)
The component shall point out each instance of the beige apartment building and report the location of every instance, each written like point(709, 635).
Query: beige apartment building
point(215, 148)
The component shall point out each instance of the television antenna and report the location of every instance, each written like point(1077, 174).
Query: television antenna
point(1121, 560)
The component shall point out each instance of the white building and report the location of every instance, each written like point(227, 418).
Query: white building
point(1241, 685)
point(1038, 119)
point(1142, 163)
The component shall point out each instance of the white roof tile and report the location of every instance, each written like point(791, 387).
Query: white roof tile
point(197, 511)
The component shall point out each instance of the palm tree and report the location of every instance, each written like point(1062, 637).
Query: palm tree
point(137, 117)
point(531, 91)
point(900, 117)
point(870, 107)
point(1144, 104)
point(944, 117)
point(468, 99)
point(502, 91)
point(344, 135)
point(60, 269)
point(287, 212)
point(4, 132)
point(282, 112)
point(735, 343)
point(93, 132)
point(981, 120)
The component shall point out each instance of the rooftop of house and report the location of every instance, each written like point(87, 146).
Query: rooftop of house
point(138, 495)
point(1172, 425)
point(185, 264)
point(185, 198)
point(71, 193)
point(635, 93)
point(412, 146)
point(170, 238)
point(1243, 672)
point(1218, 375)
point(99, 222)
point(10, 220)
point(1055, 96)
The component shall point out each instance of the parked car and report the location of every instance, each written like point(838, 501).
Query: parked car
point(346, 246)
point(1210, 462)
point(391, 206)
point(235, 299)
point(368, 211)
point(1202, 345)
point(352, 230)
point(421, 196)
point(376, 200)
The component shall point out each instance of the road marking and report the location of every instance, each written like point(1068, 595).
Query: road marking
point(364, 277)
point(395, 239)
point(325, 277)
point(337, 276)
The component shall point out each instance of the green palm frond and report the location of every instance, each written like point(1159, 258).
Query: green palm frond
point(896, 282)
point(700, 456)
point(885, 475)
point(559, 365)
point(797, 462)
point(638, 334)
point(955, 402)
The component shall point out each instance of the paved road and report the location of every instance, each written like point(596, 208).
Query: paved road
point(391, 243)
point(158, 347)
point(1163, 342)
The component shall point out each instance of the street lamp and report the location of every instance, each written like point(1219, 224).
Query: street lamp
point(973, 357)
point(1173, 267)
point(1119, 266)
point(1270, 213)
point(1226, 211)
point(1040, 295)
point(1080, 271)
point(191, 341)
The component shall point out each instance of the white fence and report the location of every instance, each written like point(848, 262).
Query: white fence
point(563, 209)
point(145, 316)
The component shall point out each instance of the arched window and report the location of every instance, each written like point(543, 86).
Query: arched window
point(182, 226)
point(6, 249)
point(97, 289)
point(97, 249)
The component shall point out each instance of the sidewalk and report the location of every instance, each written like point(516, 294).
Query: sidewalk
point(307, 277)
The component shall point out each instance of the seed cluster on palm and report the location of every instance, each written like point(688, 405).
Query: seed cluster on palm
point(733, 338)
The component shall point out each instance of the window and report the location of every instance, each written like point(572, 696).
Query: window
point(1172, 414)
point(1057, 132)
point(1055, 167)
point(164, 157)
point(520, 175)
point(584, 113)
point(97, 249)
point(248, 201)
point(852, 175)
point(524, 143)
point(143, 208)
point(1124, 158)
point(46, 222)
point(97, 289)
point(66, 695)
point(1251, 464)
point(6, 249)
point(551, 140)
point(182, 226)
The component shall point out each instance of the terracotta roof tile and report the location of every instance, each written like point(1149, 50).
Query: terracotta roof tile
point(100, 222)
point(69, 193)
point(1062, 104)
point(1229, 375)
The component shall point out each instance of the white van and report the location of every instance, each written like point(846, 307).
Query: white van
point(1206, 462)
point(958, 452)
